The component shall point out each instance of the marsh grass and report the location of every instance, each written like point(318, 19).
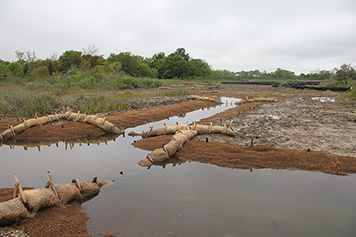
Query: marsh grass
point(100, 103)
point(25, 104)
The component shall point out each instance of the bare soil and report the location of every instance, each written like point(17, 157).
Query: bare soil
point(296, 132)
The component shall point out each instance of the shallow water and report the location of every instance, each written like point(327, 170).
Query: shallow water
point(324, 99)
point(189, 198)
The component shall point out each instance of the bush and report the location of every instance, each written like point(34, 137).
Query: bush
point(335, 84)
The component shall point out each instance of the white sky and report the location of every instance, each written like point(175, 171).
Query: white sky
point(297, 35)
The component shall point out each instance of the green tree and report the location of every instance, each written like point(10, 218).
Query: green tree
point(173, 66)
point(181, 52)
point(346, 73)
point(283, 74)
point(102, 66)
point(5, 72)
point(16, 69)
point(145, 71)
point(41, 72)
point(129, 63)
point(113, 58)
point(200, 67)
point(116, 66)
point(65, 59)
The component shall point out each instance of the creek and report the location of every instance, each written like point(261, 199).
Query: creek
point(185, 198)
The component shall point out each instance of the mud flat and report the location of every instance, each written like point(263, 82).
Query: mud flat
point(297, 121)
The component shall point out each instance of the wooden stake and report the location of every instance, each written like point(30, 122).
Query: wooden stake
point(177, 142)
point(18, 189)
point(150, 158)
point(52, 185)
point(12, 129)
point(148, 134)
point(210, 128)
point(251, 141)
point(76, 181)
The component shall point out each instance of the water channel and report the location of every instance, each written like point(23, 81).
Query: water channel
point(188, 198)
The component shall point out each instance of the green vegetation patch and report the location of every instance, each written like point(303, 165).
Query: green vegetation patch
point(25, 104)
point(100, 103)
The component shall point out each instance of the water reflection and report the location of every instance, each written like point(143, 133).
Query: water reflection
point(173, 160)
point(68, 143)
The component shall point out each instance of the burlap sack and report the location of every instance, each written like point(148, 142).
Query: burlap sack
point(107, 127)
point(11, 210)
point(43, 120)
point(90, 119)
point(19, 128)
point(171, 147)
point(89, 189)
point(68, 192)
point(41, 198)
point(66, 115)
point(31, 122)
point(7, 134)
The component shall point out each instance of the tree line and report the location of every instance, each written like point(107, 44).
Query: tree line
point(175, 65)
point(87, 63)
point(344, 75)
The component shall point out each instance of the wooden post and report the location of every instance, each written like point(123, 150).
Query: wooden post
point(76, 181)
point(52, 185)
point(251, 141)
point(18, 189)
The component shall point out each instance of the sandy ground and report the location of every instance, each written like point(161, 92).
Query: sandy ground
point(296, 132)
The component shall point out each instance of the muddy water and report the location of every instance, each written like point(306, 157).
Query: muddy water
point(189, 199)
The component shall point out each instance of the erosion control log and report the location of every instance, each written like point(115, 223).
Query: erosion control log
point(197, 97)
point(170, 149)
point(201, 129)
point(70, 116)
point(38, 199)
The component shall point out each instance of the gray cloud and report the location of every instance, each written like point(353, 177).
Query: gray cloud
point(237, 35)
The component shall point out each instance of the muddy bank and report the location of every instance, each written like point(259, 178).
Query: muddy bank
point(255, 157)
point(246, 157)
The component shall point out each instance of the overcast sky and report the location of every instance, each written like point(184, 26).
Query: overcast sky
point(300, 35)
